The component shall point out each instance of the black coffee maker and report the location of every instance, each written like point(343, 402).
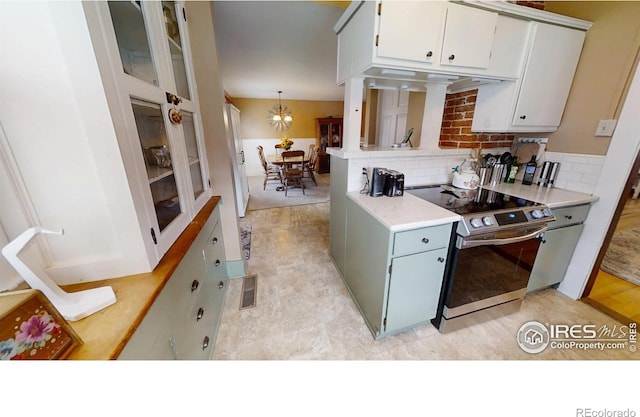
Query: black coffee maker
point(378, 179)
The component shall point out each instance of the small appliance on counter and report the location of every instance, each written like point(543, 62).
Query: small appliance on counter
point(386, 182)
point(466, 177)
point(394, 184)
point(378, 178)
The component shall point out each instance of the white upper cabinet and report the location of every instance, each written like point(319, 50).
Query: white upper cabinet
point(434, 34)
point(411, 31)
point(534, 103)
point(552, 62)
point(468, 37)
point(145, 47)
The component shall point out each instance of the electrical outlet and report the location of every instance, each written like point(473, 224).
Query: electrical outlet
point(606, 127)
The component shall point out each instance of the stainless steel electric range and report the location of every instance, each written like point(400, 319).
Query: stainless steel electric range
point(491, 255)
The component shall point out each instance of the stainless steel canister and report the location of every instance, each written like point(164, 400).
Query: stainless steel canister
point(543, 179)
point(497, 175)
point(485, 175)
point(553, 174)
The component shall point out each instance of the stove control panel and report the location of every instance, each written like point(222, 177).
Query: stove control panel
point(488, 222)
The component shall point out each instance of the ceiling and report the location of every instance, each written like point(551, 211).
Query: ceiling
point(267, 46)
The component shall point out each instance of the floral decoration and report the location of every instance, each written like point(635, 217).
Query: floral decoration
point(286, 143)
point(31, 336)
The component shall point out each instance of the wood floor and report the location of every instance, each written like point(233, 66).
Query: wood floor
point(610, 294)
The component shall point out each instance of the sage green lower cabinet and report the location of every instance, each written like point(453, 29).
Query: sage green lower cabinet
point(557, 247)
point(183, 321)
point(395, 278)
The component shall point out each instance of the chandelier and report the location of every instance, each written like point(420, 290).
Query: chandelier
point(280, 116)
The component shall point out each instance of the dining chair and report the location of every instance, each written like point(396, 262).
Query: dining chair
point(278, 147)
point(310, 166)
point(293, 170)
point(271, 172)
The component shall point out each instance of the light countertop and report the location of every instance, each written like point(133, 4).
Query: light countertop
point(403, 213)
point(552, 197)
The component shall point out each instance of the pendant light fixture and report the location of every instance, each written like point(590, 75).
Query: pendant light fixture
point(280, 116)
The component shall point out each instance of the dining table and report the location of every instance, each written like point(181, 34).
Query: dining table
point(276, 159)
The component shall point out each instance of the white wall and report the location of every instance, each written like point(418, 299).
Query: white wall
point(57, 127)
point(616, 169)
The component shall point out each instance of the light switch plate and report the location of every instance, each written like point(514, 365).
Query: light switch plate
point(606, 127)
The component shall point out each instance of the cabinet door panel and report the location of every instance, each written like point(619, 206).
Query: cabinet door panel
point(548, 75)
point(158, 153)
point(554, 256)
point(410, 30)
point(414, 288)
point(468, 36)
point(133, 42)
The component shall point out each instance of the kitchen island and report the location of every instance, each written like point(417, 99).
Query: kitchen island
point(396, 250)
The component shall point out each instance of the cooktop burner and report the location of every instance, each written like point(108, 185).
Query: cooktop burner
point(484, 210)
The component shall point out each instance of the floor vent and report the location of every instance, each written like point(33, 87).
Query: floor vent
point(249, 291)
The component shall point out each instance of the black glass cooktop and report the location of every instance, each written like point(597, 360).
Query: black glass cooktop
point(468, 201)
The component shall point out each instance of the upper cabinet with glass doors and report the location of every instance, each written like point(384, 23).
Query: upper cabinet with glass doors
point(161, 142)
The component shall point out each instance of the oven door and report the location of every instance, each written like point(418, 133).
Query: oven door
point(491, 269)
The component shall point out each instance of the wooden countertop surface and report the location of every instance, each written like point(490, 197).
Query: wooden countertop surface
point(106, 332)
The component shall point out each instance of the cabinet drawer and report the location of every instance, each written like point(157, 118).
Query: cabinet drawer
point(421, 240)
point(569, 215)
point(214, 247)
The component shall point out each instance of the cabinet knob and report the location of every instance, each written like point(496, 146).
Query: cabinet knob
point(200, 314)
point(544, 241)
point(220, 285)
point(194, 285)
point(440, 259)
point(568, 217)
point(524, 116)
point(214, 240)
point(429, 54)
point(425, 240)
point(452, 57)
point(205, 342)
point(217, 262)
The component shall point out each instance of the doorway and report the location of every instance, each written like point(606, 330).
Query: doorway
point(612, 286)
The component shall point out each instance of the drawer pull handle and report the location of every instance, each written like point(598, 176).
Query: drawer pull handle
point(217, 262)
point(568, 217)
point(214, 240)
point(425, 240)
point(440, 259)
point(524, 116)
point(205, 342)
point(200, 314)
point(194, 285)
point(220, 285)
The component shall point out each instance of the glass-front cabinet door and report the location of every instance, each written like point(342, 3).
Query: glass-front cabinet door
point(155, 79)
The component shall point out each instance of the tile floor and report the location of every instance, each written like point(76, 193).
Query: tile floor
point(304, 311)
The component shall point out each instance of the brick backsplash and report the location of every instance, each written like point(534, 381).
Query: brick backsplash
point(534, 4)
point(456, 125)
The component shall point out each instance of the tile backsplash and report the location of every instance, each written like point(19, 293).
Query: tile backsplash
point(577, 172)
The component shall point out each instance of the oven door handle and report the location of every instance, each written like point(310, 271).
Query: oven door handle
point(470, 243)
